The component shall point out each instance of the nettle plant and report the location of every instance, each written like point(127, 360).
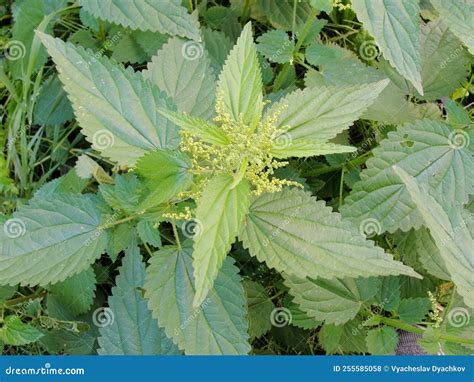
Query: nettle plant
point(203, 167)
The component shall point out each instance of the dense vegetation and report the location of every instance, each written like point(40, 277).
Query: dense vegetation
point(243, 177)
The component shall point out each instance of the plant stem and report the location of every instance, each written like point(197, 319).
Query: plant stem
point(352, 163)
point(413, 329)
point(176, 235)
point(19, 300)
point(305, 30)
point(117, 222)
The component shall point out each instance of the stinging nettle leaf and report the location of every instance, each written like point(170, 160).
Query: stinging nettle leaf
point(133, 329)
point(280, 13)
point(451, 229)
point(183, 71)
point(165, 174)
point(427, 149)
point(321, 113)
point(332, 301)
point(218, 325)
point(322, 5)
point(52, 107)
point(220, 212)
point(413, 310)
point(382, 341)
point(51, 239)
point(295, 234)
point(395, 26)
point(165, 16)
point(307, 148)
point(15, 332)
point(207, 132)
point(259, 308)
point(340, 67)
point(444, 61)
point(97, 87)
point(76, 292)
point(459, 17)
point(276, 46)
point(240, 81)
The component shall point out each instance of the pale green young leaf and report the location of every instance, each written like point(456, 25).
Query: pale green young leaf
point(165, 174)
point(452, 231)
point(395, 26)
point(240, 81)
point(340, 67)
point(321, 113)
point(295, 234)
point(133, 329)
point(306, 148)
point(429, 151)
point(209, 133)
point(97, 88)
point(220, 211)
point(382, 341)
point(183, 71)
point(218, 325)
point(76, 292)
point(14, 332)
point(332, 301)
point(165, 16)
point(459, 17)
point(51, 239)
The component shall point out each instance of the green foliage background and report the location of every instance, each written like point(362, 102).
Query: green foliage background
point(236, 177)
